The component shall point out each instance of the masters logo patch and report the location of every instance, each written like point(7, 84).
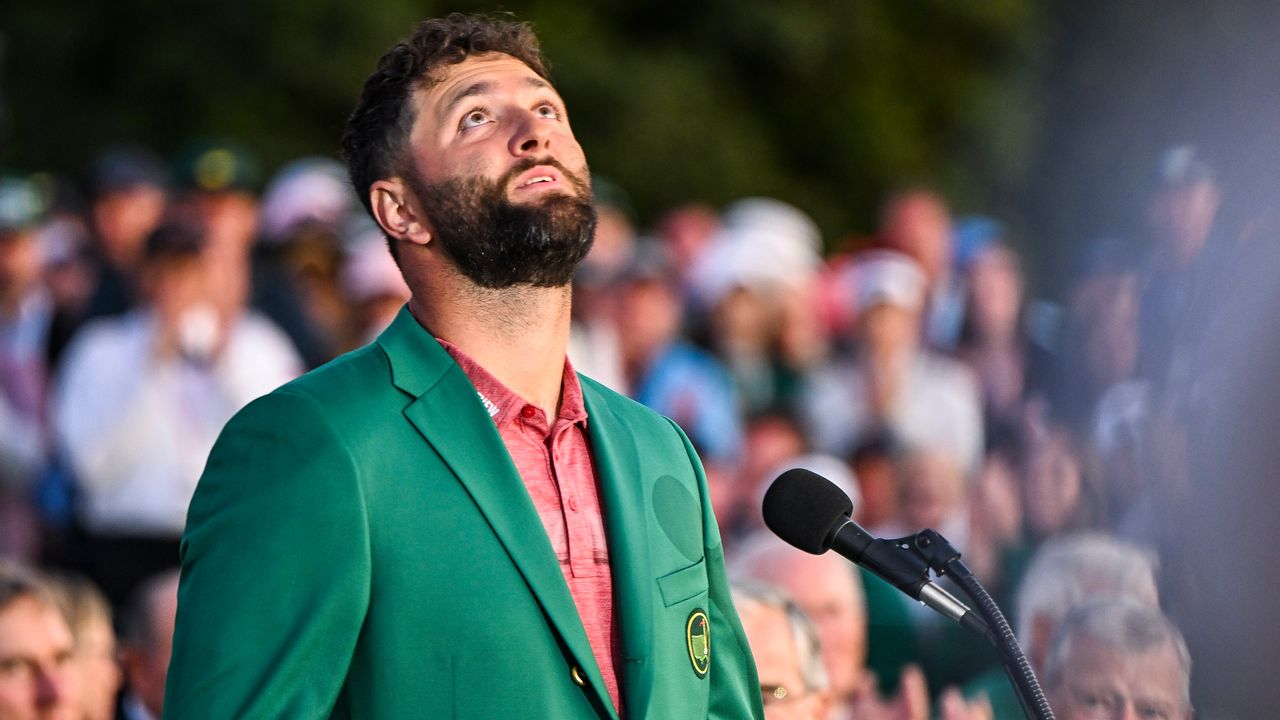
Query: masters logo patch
point(697, 635)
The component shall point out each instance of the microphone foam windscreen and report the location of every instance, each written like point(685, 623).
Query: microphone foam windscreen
point(802, 508)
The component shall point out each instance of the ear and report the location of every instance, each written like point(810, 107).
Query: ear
point(397, 211)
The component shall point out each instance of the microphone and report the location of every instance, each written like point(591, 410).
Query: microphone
point(809, 512)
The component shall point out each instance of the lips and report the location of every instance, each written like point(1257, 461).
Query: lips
point(540, 176)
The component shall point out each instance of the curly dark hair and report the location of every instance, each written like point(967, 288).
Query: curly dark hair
point(373, 144)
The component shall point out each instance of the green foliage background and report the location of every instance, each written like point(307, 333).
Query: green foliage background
point(1048, 115)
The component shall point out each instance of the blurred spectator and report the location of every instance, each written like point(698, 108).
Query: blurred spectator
point(38, 679)
point(685, 232)
point(148, 639)
point(991, 341)
point(785, 646)
point(1180, 219)
point(594, 345)
point(296, 277)
point(373, 284)
point(141, 398)
point(1100, 338)
point(755, 284)
point(25, 315)
point(932, 493)
point(996, 507)
point(1056, 497)
point(771, 439)
point(129, 193)
point(218, 179)
point(669, 374)
point(917, 223)
point(893, 384)
point(873, 467)
point(1066, 573)
point(829, 591)
point(1118, 660)
point(94, 642)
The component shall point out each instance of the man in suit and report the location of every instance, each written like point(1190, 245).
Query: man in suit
point(450, 522)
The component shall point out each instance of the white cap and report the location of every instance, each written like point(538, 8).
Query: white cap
point(887, 277)
point(763, 242)
point(370, 272)
point(314, 189)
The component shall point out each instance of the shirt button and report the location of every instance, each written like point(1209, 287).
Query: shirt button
point(573, 504)
point(527, 412)
point(576, 674)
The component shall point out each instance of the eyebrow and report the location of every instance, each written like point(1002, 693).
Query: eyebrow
point(483, 87)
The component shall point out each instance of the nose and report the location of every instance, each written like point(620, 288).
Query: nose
point(532, 134)
point(51, 686)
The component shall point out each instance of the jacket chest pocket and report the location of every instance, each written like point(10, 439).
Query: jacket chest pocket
point(684, 584)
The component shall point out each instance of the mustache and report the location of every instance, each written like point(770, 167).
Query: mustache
point(530, 163)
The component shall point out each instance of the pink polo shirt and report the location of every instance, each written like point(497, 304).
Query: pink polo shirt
point(555, 464)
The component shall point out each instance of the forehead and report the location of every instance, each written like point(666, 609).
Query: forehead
point(30, 627)
point(772, 645)
point(476, 76)
point(1154, 673)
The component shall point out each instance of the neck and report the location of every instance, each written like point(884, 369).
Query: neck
point(519, 335)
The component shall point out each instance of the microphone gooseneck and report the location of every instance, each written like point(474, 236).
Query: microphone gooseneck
point(809, 512)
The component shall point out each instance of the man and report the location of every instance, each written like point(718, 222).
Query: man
point(830, 591)
point(472, 530)
point(1067, 572)
point(142, 396)
point(793, 681)
point(1118, 661)
point(916, 221)
point(894, 383)
point(145, 647)
point(38, 680)
point(93, 645)
point(26, 313)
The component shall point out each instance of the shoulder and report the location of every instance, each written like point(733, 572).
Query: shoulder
point(109, 333)
point(338, 395)
point(637, 419)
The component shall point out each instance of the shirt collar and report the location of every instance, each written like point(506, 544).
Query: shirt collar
point(503, 404)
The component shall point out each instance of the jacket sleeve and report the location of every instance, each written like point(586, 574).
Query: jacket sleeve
point(275, 570)
point(735, 687)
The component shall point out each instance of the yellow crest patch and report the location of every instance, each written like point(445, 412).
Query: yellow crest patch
point(697, 636)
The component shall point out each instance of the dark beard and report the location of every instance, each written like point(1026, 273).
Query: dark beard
point(498, 244)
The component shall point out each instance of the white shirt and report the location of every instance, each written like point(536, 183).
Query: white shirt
point(939, 406)
point(137, 430)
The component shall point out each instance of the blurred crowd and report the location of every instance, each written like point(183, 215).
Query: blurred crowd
point(145, 303)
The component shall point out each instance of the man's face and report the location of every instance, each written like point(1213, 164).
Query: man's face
point(1101, 682)
point(502, 182)
point(778, 665)
point(37, 678)
point(824, 589)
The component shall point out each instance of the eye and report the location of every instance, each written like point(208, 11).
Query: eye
point(547, 111)
point(474, 118)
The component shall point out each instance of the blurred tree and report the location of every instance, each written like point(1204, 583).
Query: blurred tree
point(822, 104)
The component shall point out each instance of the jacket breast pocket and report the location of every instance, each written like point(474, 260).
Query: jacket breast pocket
point(683, 584)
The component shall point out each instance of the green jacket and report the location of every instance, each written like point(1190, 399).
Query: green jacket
point(361, 546)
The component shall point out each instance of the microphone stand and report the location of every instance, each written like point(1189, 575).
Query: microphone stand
point(942, 558)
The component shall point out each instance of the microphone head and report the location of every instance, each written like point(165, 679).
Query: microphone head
point(803, 508)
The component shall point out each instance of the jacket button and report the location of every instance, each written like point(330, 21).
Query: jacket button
point(576, 674)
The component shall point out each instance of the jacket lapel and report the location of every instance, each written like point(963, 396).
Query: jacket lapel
point(622, 496)
point(450, 416)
